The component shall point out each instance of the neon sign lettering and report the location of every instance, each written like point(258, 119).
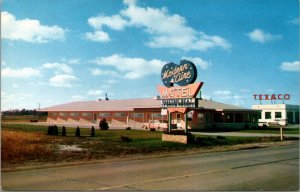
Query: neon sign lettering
point(272, 97)
point(183, 74)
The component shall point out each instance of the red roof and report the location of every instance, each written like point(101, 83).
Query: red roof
point(106, 105)
point(131, 104)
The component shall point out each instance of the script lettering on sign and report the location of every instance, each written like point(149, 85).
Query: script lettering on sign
point(183, 74)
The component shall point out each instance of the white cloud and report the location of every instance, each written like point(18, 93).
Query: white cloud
point(198, 62)
point(260, 36)
point(28, 30)
point(229, 97)
point(98, 36)
point(222, 92)
point(115, 22)
point(290, 66)
point(95, 93)
point(77, 97)
point(73, 61)
point(171, 31)
point(132, 68)
point(97, 72)
point(165, 30)
point(294, 21)
point(59, 68)
point(25, 72)
point(245, 90)
point(63, 80)
point(15, 100)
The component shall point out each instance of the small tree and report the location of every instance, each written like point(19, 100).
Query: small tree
point(49, 131)
point(64, 131)
point(77, 133)
point(103, 125)
point(55, 130)
point(93, 131)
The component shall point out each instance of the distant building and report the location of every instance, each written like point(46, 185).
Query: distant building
point(139, 112)
point(282, 114)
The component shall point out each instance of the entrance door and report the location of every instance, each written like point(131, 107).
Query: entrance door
point(95, 118)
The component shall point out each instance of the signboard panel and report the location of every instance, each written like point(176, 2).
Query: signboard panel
point(182, 75)
point(179, 102)
point(189, 91)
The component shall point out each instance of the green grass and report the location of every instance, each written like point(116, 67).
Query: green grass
point(23, 118)
point(107, 143)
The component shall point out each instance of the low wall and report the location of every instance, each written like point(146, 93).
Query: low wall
point(175, 138)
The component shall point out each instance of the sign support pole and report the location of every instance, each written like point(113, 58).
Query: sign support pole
point(281, 134)
point(169, 122)
point(186, 122)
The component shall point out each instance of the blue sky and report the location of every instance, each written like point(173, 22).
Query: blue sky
point(60, 51)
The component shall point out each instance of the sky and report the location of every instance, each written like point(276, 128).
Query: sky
point(56, 51)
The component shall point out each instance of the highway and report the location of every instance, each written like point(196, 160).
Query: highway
point(272, 168)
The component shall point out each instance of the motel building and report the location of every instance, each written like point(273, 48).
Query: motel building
point(138, 113)
point(177, 104)
point(275, 111)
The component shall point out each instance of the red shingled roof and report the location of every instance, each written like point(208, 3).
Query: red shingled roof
point(130, 104)
point(106, 105)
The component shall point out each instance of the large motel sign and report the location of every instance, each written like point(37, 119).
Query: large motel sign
point(182, 97)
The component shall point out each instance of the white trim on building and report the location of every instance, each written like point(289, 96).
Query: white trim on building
point(278, 113)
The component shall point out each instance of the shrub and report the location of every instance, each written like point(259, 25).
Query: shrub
point(93, 132)
point(50, 130)
point(77, 132)
point(221, 137)
point(152, 129)
point(103, 125)
point(126, 139)
point(128, 128)
point(64, 131)
point(55, 130)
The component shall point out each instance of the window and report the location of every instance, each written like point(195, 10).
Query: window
point(218, 118)
point(178, 117)
point(207, 118)
point(62, 114)
point(74, 114)
point(120, 115)
point(86, 114)
point(52, 114)
point(103, 115)
point(249, 118)
point(267, 115)
point(229, 117)
point(137, 115)
point(156, 115)
point(255, 118)
point(239, 117)
point(200, 117)
point(277, 114)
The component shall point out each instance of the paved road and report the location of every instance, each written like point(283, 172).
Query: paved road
point(274, 168)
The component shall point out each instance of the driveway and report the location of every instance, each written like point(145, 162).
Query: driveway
point(239, 134)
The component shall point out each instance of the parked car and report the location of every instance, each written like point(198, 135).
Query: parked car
point(158, 124)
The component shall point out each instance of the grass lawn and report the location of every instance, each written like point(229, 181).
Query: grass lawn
point(30, 144)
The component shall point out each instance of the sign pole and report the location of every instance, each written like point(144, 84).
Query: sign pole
point(186, 122)
point(170, 121)
point(281, 134)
